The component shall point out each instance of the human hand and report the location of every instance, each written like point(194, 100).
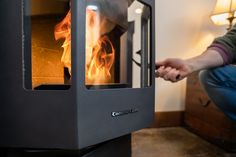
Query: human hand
point(173, 69)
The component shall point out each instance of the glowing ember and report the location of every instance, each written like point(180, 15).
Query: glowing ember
point(100, 53)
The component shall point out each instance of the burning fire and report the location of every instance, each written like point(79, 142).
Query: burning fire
point(63, 31)
point(100, 53)
point(98, 70)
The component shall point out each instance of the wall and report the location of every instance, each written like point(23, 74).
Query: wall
point(183, 29)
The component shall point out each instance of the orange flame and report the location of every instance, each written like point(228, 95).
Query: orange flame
point(100, 53)
point(63, 31)
point(98, 70)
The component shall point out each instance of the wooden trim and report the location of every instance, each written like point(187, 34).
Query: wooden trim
point(168, 119)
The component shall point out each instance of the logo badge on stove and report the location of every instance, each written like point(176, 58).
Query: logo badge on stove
point(125, 112)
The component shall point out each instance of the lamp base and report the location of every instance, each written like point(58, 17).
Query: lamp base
point(230, 19)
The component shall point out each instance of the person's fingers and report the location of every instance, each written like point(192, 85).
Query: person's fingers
point(157, 71)
point(157, 74)
point(165, 71)
point(160, 63)
point(174, 76)
point(171, 75)
point(167, 76)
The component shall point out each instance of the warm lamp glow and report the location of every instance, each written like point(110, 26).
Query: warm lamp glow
point(224, 6)
point(221, 19)
point(138, 11)
point(224, 12)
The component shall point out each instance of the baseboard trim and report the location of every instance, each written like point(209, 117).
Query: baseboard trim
point(168, 119)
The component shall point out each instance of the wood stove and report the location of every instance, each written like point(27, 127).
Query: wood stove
point(75, 73)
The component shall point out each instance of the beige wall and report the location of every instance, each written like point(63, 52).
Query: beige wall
point(183, 29)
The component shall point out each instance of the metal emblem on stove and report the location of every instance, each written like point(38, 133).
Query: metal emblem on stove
point(125, 112)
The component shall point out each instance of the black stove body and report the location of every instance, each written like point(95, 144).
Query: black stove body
point(103, 90)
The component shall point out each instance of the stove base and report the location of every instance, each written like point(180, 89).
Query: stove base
point(120, 147)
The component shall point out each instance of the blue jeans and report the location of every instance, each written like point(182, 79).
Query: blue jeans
point(220, 85)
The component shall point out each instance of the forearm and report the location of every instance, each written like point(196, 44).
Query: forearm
point(221, 52)
point(209, 59)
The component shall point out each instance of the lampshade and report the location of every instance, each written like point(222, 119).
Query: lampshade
point(224, 9)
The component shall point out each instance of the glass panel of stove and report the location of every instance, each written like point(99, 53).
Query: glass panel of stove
point(117, 44)
point(47, 51)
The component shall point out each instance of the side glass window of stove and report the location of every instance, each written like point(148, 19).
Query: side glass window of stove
point(117, 44)
point(47, 44)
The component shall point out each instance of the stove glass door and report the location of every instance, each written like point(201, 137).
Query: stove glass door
point(47, 52)
point(117, 44)
point(117, 49)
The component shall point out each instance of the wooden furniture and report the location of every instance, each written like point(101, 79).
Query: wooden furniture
point(205, 119)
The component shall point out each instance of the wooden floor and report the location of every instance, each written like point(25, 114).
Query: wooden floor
point(173, 142)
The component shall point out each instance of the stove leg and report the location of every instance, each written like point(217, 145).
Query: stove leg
point(120, 147)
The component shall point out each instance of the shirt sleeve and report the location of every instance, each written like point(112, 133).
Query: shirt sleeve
point(226, 46)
